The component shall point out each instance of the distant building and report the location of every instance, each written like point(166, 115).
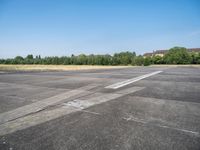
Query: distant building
point(163, 52)
point(160, 53)
point(195, 50)
point(148, 54)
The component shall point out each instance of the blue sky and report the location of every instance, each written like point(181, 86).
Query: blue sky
point(65, 27)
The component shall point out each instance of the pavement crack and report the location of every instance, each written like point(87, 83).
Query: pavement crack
point(144, 122)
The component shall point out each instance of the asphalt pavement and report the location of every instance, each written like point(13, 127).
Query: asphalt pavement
point(136, 108)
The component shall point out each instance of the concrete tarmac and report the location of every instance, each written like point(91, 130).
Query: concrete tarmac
point(148, 108)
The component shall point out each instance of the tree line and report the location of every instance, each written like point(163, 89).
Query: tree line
point(176, 55)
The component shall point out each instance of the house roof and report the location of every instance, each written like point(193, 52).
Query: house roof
point(165, 51)
point(193, 50)
point(148, 54)
point(160, 52)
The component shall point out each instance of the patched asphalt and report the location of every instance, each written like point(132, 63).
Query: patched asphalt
point(72, 110)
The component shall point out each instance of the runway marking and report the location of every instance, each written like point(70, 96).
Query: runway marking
point(129, 81)
point(130, 90)
point(91, 112)
point(47, 115)
point(34, 119)
point(76, 105)
point(40, 105)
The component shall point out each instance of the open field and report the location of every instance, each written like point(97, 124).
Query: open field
point(53, 67)
point(4, 67)
point(148, 108)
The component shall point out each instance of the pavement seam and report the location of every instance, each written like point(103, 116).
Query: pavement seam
point(161, 126)
point(47, 115)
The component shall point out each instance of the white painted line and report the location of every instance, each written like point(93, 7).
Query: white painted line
point(129, 81)
point(47, 115)
point(40, 105)
point(91, 112)
point(76, 105)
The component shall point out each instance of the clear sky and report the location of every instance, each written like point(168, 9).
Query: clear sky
point(65, 27)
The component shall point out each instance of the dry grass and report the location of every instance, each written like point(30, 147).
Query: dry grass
point(53, 67)
point(69, 67)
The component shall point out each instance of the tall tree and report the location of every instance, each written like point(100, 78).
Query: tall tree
point(177, 55)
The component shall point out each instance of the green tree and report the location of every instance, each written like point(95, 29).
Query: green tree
point(157, 60)
point(123, 58)
point(29, 59)
point(177, 55)
point(18, 60)
point(195, 58)
point(82, 59)
point(30, 56)
point(2, 61)
point(139, 60)
point(91, 59)
point(147, 61)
